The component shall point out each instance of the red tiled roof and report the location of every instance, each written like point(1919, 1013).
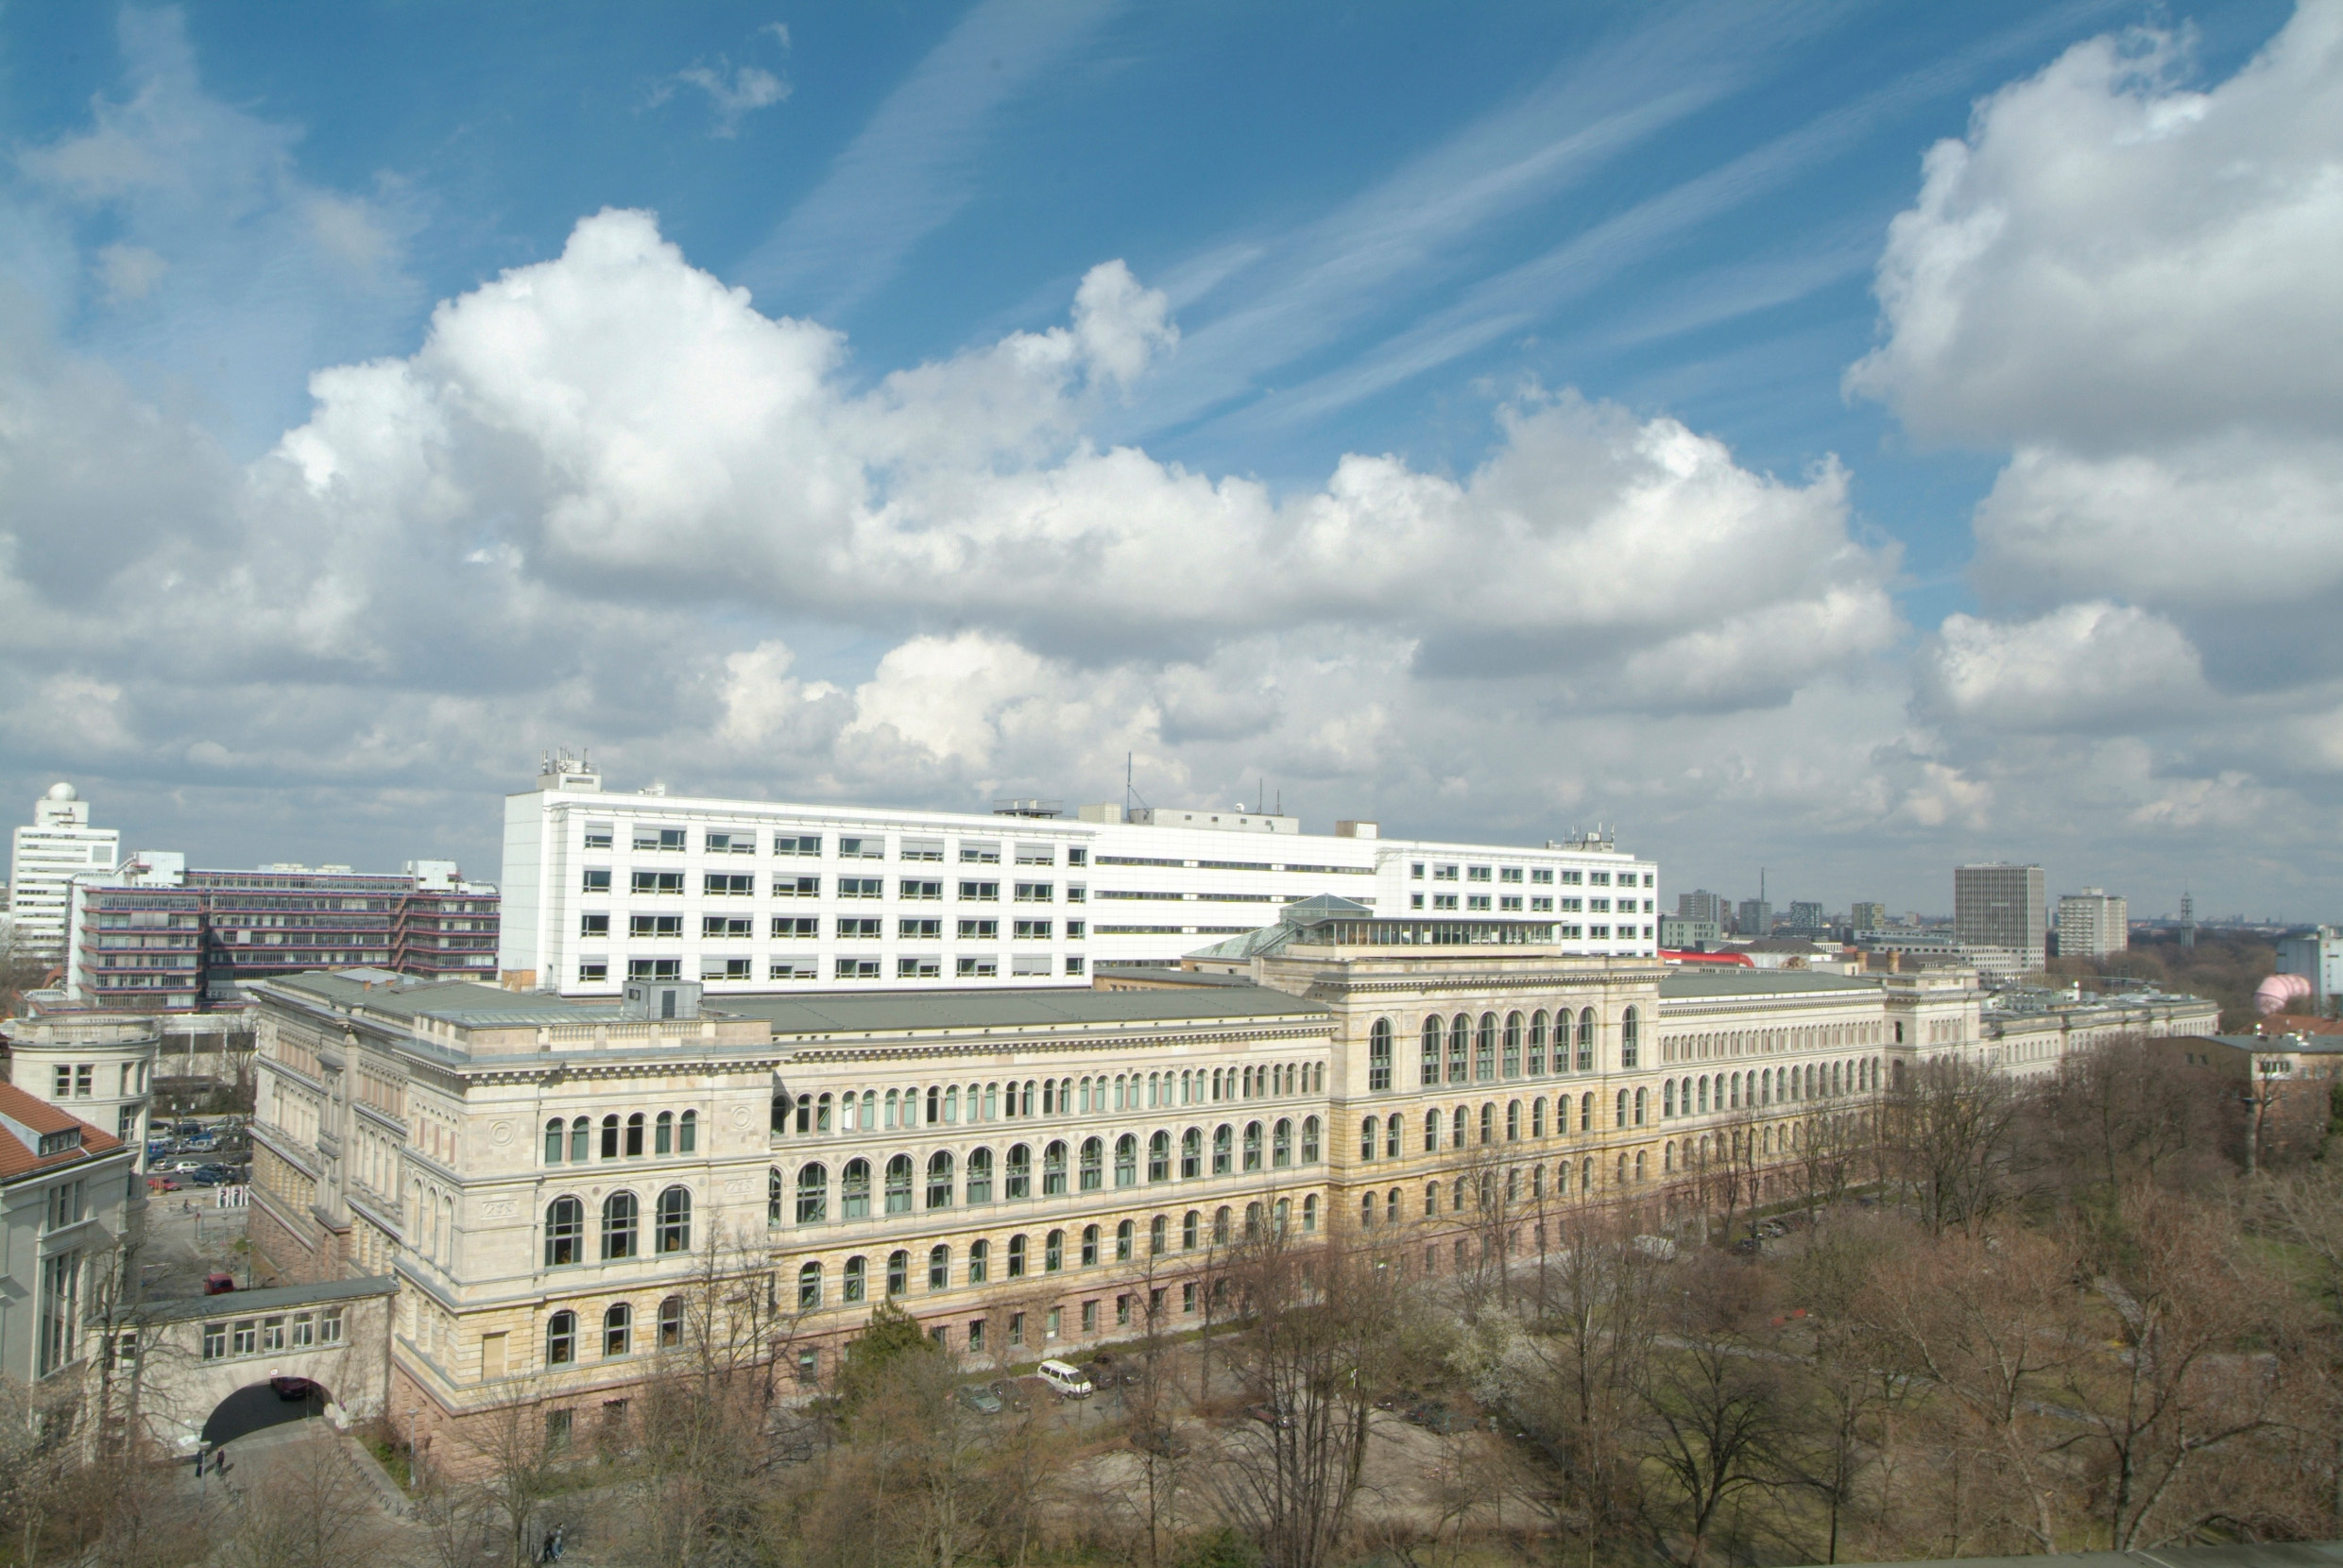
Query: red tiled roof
point(30, 1111)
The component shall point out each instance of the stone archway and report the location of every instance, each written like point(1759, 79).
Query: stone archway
point(258, 1406)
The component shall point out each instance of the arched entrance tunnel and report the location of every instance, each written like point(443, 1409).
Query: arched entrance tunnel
point(258, 1406)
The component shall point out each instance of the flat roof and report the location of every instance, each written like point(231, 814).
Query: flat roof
point(1689, 985)
point(900, 1013)
point(458, 1001)
point(244, 1304)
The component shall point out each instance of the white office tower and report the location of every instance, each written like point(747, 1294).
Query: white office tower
point(1998, 920)
point(2093, 923)
point(46, 857)
point(756, 896)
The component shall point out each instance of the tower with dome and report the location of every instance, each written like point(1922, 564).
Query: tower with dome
point(47, 854)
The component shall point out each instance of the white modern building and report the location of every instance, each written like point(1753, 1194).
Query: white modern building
point(2318, 956)
point(1998, 921)
point(46, 856)
point(2093, 923)
point(748, 895)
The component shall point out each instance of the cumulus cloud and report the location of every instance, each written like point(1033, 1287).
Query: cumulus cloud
point(2090, 666)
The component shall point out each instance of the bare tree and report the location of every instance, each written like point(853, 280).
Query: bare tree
point(1954, 1128)
point(307, 1507)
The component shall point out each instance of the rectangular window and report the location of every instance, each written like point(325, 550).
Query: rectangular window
point(1598, 879)
point(1077, 854)
point(330, 1327)
point(912, 887)
point(1574, 906)
point(1477, 873)
point(1036, 853)
point(1444, 873)
point(593, 971)
point(794, 969)
point(1028, 963)
point(919, 930)
point(594, 925)
point(725, 969)
point(655, 968)
point(597, 879)
point(1073, 965)
point(797, 887)
point(1415, 871)
point(1477, 901)
point(648, 837)
point(1074, 929)
point(797, 928)
point(1032, 930)
point(655, 924)
point(809, 1368)
point(980, 851)
point(1510, 901)
point(720, 925)
point(1444, 900)
point(1034, 893)
point(980, 930)
point(1543, 874)
point(597, 835)
point(919, 968)
point(305, 1331)
point(731, 843)
point(656, 881)
point(1598, 906)
point(1509, 874)
point(923, 849)
point(1598, 933)
point(858, 928)
point(861, 887)
point(272, 1334)
point(719, 884)
point(857, 968)
point(1076, 893)
point(248, 1337)
point(982, 892)
point(862, 849)
point(1541, 904)
point(978, 968)
point(1089, 1317)
point(1570, 878)
point(214, 1341)
point(797, 844)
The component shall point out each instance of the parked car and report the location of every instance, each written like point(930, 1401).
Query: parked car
point(217, 1283)
point(210, 1176)
point(288, 1387)
point(1011, 1392)
point(162, 1183)
point(1067, 1380)
point(982, 1401)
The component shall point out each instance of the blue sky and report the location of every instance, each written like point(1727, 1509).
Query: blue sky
point(1461, 237)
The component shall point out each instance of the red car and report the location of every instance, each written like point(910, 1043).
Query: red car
point(289, 1388)
point(218, 1285)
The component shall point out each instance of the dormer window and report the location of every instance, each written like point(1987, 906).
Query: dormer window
point(60, 1143)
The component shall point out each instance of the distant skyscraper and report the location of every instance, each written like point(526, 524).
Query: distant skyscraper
point(1700, 904)
point(1997, 918)
point(2092, 923)
point(1805, 916)
point(1756, 917)
point(46, 857)
point(1868, 917)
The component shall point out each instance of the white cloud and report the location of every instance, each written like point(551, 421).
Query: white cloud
point(734, 96)
point(2084, 667)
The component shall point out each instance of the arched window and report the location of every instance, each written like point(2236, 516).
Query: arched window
point(610, 1137)
point(619, 1214)
point(1126, 1161)
point(1053, 1170)
point(1431, 1131)
point(1431, 1199)
point(1018, 1179)
point(634, 1133)
point(1513, 1045)
point(673, 1233)
point(1253, 1146)
point(1640, 1098)
point(1586, 1039)
point(898, 1184)
point(1639, 1166)
point(1512, 1121)
point(1281, 1143)
point(940, 1179)
point(857, 1279)
point(1618, 1113)
point(1093, 1164)
point(774, 1193)
point(1628, 1037)
point(1283, 1214)
point(1156, 1229)
point(1460, 1046)
point(979, 1175)
point(1223, 1149)
point(561, 1339)
point(688, 1132)
point(1126, 1241)
point(670, 1323)
point(1159, 1157)
point(1053, 1252)
point(1191, 1153)
point(1455, 1128)
point(1016, 1258)
point(1220, 1225)
point(812, 1193)
point(663, 1134)
point(1309, 1140)
point(1370, 1132)
point(1587, 1112)
point(1488, 1121)
point(979, 1257)
point(556, 1139)
point(581, 1133)
point(939, 1267)
point(617, 1330)
point(808, 1286)
point(899, 1273)
point(1189, 1228)
point(1366, 1211)
point(565, 1232)
point(854, 1190)
point(1379, 1055)
point(1430, 1073)
point(1667, 1099)
point(1537, 1042)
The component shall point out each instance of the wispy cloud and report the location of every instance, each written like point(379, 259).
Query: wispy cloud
point(910, 170)
point(748, 89)
point(1516, 299)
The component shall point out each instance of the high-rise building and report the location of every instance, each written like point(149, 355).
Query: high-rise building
point(1998, 921)
point(1703, 905)
point(2093, 923)
point(1755, 918)
point(1808, 917)
point(46, 856)
point(2318, 956)
point(1868, 917)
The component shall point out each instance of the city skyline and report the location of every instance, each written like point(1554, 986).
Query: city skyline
point(1661, 417)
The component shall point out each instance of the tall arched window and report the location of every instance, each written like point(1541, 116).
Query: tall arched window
point(610, 1137)
point(1537, 1042)
point(1618, 1113)
point(1430, 1073)
point(634, 1133)
point(939, 1267)
point(581, 1133)
point(1488, 1121)
point(774, 1192)
point(1189, 1224)
point(1511, 1060)
point(1053, 1252)
point(619, 1214)
point(1431, 1131)
point(1126, 1241)
point(1191, 1153)
point(1223, 1149)
point(1586, 1039)
point(1628, 1037)
point(1455, 1128)
point(1016, 1258)
point(674, 1229)
point(808, 1286)
point(1667, 1099)
point(565, 1232)
point(940, 1179)
point(1219, 1226)
point(1127, 1161)
point(1159, 1157)
point(1253, 1146)
point(1379, 1055)
point(1157, 1230)
point(1093, 1164)
point(979, 1176)
point(898, 1184)
point(1053, 1170)
point(688, 1132)
point(1484, 1049)
point(899, 1273)
point(670, 1323)
point(556, 1139)
point(1641, 1095)
point(1309, 1213)
point(663, 1134)
point(1460, 1047)
point(1090, 1246)
point(1309, 1140)
point(561, 1339)
point(855, 1279)
point(980, 1259)
point(1018, 1178)
point(617, 1330)
point(1370, 1135)
point(1281, 1143)
point(1587, 1112)
point(1537, 1117)
point(812, 1193)
point(1512, 1121)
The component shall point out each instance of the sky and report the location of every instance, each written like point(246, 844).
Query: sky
point(1830, 436)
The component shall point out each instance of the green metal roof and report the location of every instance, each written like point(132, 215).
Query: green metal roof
point(465, 1002)
point(1691, 984)
point(900, 1013)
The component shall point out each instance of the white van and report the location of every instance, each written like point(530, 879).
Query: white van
point(1067, 1380)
